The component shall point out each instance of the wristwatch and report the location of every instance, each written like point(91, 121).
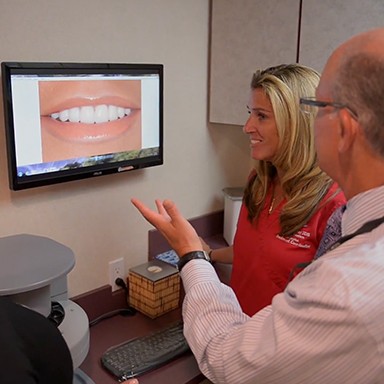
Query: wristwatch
point(192, 256)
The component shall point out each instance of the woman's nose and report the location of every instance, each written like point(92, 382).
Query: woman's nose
point(248, 126)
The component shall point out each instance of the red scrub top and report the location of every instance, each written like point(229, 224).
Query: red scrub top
point(263, 260)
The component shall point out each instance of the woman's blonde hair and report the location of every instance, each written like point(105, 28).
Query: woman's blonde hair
point(304, 184)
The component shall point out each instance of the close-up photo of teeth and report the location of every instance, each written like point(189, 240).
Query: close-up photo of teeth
point(89, 117)
point(92, 114)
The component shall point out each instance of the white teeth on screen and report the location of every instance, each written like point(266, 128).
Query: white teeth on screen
point(92, 115)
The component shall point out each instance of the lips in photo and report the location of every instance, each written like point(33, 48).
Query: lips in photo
point(89, 117)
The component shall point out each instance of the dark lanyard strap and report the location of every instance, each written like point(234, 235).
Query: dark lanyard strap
point(367, 227)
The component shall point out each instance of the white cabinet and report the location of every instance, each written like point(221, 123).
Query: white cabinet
point(247, 35)
point(250, 34)
point(326, 24)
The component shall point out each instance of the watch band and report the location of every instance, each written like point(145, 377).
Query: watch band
point(192, 256)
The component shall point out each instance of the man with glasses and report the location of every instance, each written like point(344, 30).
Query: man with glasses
point(328, 325)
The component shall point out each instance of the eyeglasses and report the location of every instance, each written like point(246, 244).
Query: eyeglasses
point(311, 105)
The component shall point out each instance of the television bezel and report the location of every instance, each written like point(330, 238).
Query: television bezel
point(71, 68)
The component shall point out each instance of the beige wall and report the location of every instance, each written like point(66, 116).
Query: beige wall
point(94, 217)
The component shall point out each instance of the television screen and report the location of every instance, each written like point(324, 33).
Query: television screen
point(68, 121)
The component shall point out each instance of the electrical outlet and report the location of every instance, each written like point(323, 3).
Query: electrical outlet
point(116, 269)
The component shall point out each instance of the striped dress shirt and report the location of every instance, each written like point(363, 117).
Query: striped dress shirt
point(326, 327)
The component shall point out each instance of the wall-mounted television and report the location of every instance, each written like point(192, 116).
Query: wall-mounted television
point(69, 121)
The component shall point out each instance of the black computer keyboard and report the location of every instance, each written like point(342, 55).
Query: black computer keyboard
point(137, 356)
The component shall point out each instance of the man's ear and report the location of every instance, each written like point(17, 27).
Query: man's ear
point(348, 130)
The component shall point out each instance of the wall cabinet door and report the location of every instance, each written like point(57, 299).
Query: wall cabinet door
point(326, 24)
point(247, 35)
point(250, 34)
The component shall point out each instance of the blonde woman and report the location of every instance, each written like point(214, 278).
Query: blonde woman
point(288, 198)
